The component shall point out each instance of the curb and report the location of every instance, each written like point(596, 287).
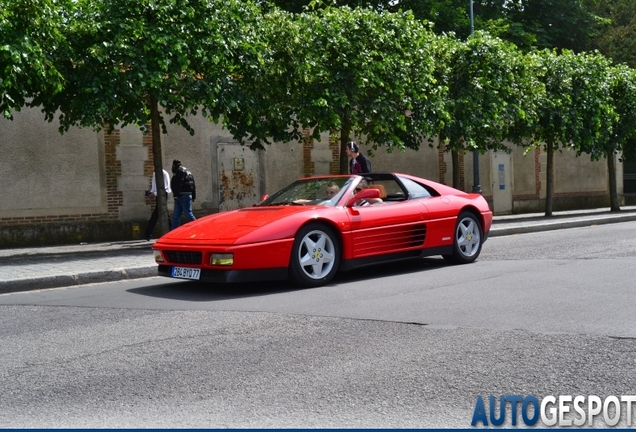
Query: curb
point(555, 225)
point(47, 253)
point(57, 281)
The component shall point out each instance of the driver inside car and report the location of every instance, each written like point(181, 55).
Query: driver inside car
point(366, 201)
point(331, 190)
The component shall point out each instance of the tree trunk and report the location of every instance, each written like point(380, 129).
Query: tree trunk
point(344, 139)
point(456, 171)
point(549, 178)
point(162, 202)
point(611, 168)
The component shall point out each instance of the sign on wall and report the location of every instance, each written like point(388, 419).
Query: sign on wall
point(239, 180)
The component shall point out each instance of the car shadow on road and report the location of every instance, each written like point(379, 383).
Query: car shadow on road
point(391, 269)
point(194, 291)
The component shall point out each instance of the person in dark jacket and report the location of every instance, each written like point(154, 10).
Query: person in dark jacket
point(184, 191)
point(359, 163)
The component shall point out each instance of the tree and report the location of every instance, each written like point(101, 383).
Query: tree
point(592, 83)
point(29, 34)
point(544, 24)
point(265, 112)
point(529, 24)
point(448, 16)
point(617, 38)
point(355, 71)
point(146, 62)
point(576, 109)
point(369, 75)
point(492, 96)
point(622, 91)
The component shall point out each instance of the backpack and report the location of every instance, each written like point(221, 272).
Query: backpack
point(187, 184)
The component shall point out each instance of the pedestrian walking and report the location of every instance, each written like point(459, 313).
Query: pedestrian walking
point(184, 192)
point(152, 222)
point(359, 163)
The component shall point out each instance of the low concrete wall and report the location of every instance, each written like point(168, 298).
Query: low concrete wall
point(69, 233)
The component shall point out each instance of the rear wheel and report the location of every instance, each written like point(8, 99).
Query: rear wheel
point(315, 256)
point(466, 240)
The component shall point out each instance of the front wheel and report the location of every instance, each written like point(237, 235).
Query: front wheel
point(315, 256)
point(466, 240)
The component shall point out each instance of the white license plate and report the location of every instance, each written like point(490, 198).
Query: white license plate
point(186, 273)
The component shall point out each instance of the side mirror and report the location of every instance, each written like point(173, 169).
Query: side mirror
point(363, 194)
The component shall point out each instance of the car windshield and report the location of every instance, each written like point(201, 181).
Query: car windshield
point(324, 191)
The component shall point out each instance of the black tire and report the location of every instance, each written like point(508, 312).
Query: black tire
point(467, 239)
point(315, 256)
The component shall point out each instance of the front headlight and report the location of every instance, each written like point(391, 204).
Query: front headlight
point(222, 259)
point(158, 256)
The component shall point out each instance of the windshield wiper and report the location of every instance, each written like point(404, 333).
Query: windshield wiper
point(286, 203)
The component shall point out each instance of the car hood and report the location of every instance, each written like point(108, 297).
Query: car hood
point(231, 226)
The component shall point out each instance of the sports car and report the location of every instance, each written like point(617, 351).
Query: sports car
point(318, 226)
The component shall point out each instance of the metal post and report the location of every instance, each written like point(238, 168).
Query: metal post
point(476, 185)
point(472, 19)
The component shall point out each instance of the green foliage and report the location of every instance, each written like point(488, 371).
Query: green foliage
point(371, 70)
point(448, 16)
point(595, 104)
point(264, 111)
point(492, 95)
point(529, 24)
point(375, 74)
point(577, 109)
point(557, 119)
point(617, 38)
point(561, 24)
point(341, 69)
point(124, 53)
point(622, 87)
point(29, 37)
point(577, 112)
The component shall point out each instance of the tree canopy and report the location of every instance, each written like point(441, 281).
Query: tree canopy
point(577, 109)
point(357, 71)
point(529, 24)
point(492, 95)
point(30, 34)
point(616, 36)
point(378, 73)
point(127, 52)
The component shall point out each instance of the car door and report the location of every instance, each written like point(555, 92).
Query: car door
point(442, 217)
point(387, 228)
point(441, 214)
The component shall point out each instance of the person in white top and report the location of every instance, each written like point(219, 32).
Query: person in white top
point(152, 222)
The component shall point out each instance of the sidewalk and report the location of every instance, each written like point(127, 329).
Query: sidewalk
point(58, 266)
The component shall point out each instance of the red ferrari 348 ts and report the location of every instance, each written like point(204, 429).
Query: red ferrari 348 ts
point(317, 226)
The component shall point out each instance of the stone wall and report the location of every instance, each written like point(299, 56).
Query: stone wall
point(87, 186)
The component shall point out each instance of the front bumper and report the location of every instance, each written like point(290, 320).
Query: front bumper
point(232, 276)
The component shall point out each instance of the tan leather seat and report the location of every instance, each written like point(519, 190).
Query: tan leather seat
point(381, 189)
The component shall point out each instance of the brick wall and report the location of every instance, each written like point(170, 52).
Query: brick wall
point(70, 227)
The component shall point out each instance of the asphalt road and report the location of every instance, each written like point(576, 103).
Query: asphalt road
point(406, 345)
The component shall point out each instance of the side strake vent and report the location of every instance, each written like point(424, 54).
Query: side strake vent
point(419, 235)
point(184, 257)
point(390, 239)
